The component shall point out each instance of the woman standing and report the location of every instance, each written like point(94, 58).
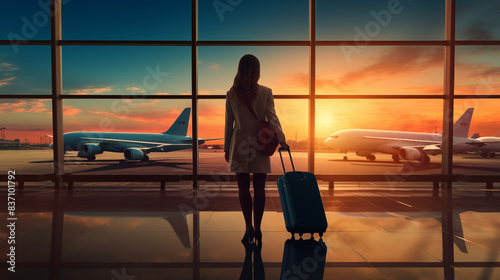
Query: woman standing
point(240, 140)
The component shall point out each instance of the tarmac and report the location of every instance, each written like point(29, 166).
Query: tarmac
point(212, 162)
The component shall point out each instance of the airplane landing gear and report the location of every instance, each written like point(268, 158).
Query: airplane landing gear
point(492, 155)
point(370, 157)
point(484, 154)
point(145, 158)
point(345, 158)
point(395, 158)
point(91, 158)
point(424, 159)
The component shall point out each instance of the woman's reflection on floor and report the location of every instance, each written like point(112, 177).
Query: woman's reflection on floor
point(257, 270)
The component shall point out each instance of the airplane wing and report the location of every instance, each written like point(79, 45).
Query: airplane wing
point(211, 139)
point(146, 146)
point(191, 141)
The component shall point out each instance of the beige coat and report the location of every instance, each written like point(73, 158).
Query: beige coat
point(240, 137)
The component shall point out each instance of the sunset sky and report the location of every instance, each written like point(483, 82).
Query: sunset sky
point(124, 70)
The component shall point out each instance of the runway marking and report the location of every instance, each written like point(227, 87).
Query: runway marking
point(404, 204)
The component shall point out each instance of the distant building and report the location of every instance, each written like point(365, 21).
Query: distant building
point(13, 145)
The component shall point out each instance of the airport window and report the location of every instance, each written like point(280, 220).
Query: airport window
point(97, 120)
point(380, 70)
point(284, 69)
point(476, 71)
point(154, 66)
point(379, 124)
point(143, 20)
point(126, 70)
point(240, 20)
point(26, 125)
point(25, 70)
point(399, 61)
point(481, 159)
point(362, 21)
point(25, 20)
point(477, 20)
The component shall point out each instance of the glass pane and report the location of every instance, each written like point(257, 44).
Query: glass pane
point(126, 70)
point(293, 117)
point(253, 20)
point(477, 20)
point(479, 158)
point(211, 126)
point(363, 20)
point(136, 128)
point(25, 20)
point(25, 70)
point(365, 136)
point(129, 20)
point(380, 70)
point(283, 69)
point(25, 136)
point(477, 70)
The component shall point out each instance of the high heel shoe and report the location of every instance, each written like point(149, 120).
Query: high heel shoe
point(258, 237)
point(248, 237)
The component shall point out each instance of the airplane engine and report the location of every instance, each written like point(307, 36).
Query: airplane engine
point(410, 154)
point(91, 149)
point(133, 154)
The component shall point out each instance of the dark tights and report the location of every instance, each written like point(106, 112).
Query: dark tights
point(259, 187)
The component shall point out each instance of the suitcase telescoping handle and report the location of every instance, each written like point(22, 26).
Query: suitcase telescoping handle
point(282, 164)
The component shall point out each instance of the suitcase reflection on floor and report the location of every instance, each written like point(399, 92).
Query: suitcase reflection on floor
point(303, 259)
point(258, 265)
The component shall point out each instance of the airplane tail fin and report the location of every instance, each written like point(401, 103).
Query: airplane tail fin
point(180, 126)
point(461, 127)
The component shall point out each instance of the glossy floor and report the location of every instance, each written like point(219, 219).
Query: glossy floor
point(142, 233)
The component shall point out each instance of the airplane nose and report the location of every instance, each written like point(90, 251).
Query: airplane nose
point(329, 142)
point(51, 145)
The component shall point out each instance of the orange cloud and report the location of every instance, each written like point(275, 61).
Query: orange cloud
point(86, 91)
point(136, 89)
point(214, 66)
point(125, 117)
point(19, 106)
point(6, 81)
point(395, 62)
point(70, 111)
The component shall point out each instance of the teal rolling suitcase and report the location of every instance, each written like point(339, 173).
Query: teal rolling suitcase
point(301, 202)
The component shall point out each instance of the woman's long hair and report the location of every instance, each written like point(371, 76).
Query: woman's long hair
point(245, 83)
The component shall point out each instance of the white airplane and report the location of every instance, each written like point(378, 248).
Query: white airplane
point(403, 145)
point(134, 146)
point(492, 145)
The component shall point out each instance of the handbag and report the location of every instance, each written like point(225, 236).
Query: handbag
point(267, 138)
